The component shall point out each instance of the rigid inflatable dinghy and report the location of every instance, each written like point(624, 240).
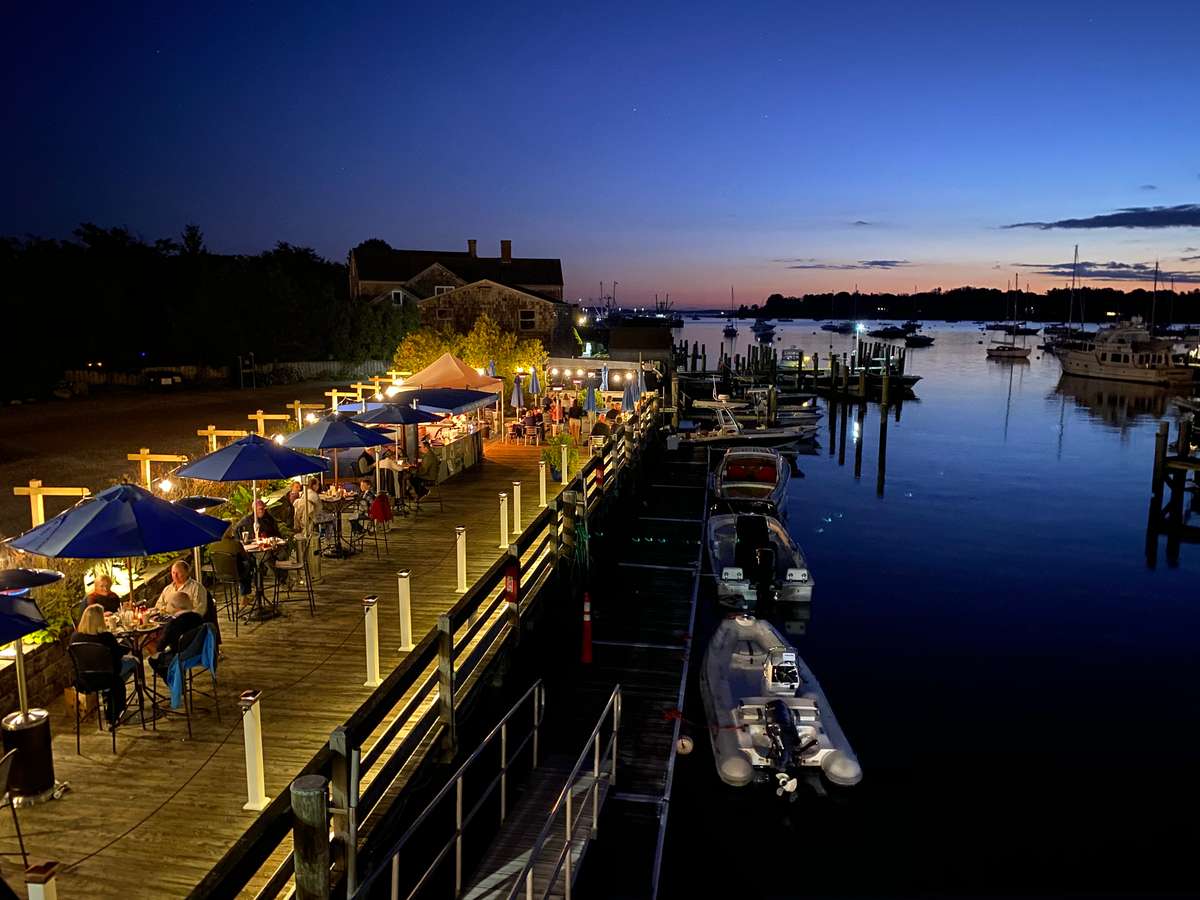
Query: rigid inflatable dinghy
point(768, 717)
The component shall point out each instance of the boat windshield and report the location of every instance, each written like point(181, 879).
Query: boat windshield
point(762, 471)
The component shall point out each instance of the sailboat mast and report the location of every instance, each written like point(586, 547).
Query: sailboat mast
point(1154, 298)
point(1071, 301)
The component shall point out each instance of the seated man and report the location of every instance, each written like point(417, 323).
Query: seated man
point(230, 545)
point(426, 475)
point(183, 620)
point(267, 526)
point(182, 581)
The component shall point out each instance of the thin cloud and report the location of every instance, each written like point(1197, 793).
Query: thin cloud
point(859, 223)
point(1189, 258)
point(860, 264)
point(1185, 215)
point(1147, 187)
point(1111, 271)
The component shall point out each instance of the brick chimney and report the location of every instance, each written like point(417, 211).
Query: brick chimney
point(506, 251)
point(471, 248)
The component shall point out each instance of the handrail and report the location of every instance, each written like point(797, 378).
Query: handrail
point(537, 691)
point(614, 704)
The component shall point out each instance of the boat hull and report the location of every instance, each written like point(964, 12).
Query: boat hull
point(1084, 364)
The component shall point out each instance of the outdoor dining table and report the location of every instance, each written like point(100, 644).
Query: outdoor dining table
point(338, 504)
point(258, 550)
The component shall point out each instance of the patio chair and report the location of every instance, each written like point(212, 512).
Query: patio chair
point(191, 657)
point(297, 564)
point(229, 581)
point(5, 769)
point(94, 674)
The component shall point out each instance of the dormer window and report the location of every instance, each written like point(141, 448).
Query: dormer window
point(442, 289)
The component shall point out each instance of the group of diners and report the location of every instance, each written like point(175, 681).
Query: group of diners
point(555, 411)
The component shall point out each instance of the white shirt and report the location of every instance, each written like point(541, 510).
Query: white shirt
point(192, 588)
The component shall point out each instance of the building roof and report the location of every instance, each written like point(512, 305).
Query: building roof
point(385, 264)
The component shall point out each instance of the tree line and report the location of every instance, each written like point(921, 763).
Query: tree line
point(107, 295)
point(1091, 304)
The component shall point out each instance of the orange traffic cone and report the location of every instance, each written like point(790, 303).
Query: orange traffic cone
point(585, 655)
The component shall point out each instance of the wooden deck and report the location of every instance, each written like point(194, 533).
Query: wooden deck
point(153, 819)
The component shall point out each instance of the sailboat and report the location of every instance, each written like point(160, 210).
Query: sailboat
point(730, 329)
point(1009, 349)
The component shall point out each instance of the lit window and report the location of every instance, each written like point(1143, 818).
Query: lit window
point(442, 289)
point(528, 319)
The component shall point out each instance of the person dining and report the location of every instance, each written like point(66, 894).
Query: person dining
point(230, 545)
point(91, 630)
point(287, 504)
point(575, 420)
point(183, 620)
point(426, 475)
point(102, 594)
point(267, 526)
point(183, 582)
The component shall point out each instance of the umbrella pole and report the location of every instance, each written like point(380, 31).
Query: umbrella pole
point(254, 505)
point(22, 692)
point(129, 572)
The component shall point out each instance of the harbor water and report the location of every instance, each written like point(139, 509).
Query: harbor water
point(1021, 684)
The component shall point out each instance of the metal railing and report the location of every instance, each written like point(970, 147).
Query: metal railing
point(525, 883)
point(415, 707)
point(535, 699)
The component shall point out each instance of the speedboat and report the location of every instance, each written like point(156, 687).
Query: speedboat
point(728, 431)
point(887, 331)
point(918, 340)
point(752, 479)
point(758, 565)
point(769, 719)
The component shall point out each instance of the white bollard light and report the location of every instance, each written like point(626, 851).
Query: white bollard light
point(564, 463)
point(404, 592)
point(256, 789)
point(542, 484)
point(503, 520)
point(371, 626)
point(460, 538)
point(40, 881)
point(516, 507)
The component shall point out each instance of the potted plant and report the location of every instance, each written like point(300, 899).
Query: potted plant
point(552, 455)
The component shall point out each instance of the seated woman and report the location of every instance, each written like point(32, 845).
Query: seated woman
point(91, 630)
point(102, 593)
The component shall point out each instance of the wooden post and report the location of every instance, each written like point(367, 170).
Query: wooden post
point(310, 836)
point(262, 418)
point(862, 384)
point(674, 402)
point(145, 457)
point(36, 494)
point(881, 468)
point(883, 392)
point(695, 354)
point(336, 397)
point(212, 432)
point(1160, 466)
point(298, 409)
point(703, 357)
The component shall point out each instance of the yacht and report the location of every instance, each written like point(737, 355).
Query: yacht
point(769, 720)
point(1007, 350)
point(752, 479)
point(1124, 352)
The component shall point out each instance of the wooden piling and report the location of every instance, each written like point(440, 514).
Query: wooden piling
point(881, 467)
point(310, 836)
point(703, 357)
point(883, 395)
point(1160, 463)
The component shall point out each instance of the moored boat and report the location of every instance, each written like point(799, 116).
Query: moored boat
point(752, 479)
point(918, 340)
point(1006, 350)
point(728, 431)
point(769, 719)
point(757, 564)
point(1124, 352)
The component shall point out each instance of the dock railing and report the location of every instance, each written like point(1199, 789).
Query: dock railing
point(414, 710)
point(603, 763)
point(531, 707)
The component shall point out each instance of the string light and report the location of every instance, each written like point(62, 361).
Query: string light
point(393, 390)
point(310, 418)
point(166, 485)
point(278, 438)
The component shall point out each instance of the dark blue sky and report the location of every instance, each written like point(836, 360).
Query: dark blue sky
point(673, 147)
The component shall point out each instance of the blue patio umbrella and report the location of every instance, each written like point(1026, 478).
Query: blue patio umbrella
point(627, 397)
point(589, 399)
point(534, 387)
point(20, 616)
point(641, 381)
point(359, 406)
point(517, 400)
point(335, 433)
point(397, 414)
point(454, 401)
point(604, 378)
point(252, 458)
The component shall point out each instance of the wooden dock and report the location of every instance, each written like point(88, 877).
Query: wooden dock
point(152, 820)
point(1170, 483)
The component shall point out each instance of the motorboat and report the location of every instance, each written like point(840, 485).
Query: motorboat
point(918, 340)
point(911, 326)
point(730, 330)
point(838, 327)
point(761, 325)
point(769, 719)
point(757, 564)
point(887, 331)
point(1007, 350)
point(728, 431)
point(752, 479)
point(1125, 352)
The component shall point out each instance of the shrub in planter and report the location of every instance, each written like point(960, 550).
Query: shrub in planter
point(552, 455)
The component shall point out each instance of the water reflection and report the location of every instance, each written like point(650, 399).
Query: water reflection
point(1119, 404)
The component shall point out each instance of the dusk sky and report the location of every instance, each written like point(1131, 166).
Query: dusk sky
point(674, 148)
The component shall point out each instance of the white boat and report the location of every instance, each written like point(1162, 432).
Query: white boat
point(1124, 352)
point(757, 564)
point(762, 325)
point(1005, 350)
point(752, 479)
point(768, 717)
point(728, 431)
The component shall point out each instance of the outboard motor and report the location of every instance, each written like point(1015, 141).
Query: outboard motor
point(781, 731)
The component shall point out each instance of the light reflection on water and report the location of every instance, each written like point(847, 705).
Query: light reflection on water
point(987, 624)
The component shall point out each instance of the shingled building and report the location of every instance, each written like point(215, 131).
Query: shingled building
point(451, 288)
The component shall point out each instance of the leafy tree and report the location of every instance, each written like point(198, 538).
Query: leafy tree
point(422, 346)
point(192, 240)
point(487, 342)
